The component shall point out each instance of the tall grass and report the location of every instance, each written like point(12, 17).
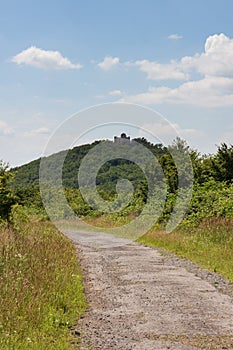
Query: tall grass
point(40, 287)
point(210, 244)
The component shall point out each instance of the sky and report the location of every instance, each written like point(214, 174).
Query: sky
point(60, 57)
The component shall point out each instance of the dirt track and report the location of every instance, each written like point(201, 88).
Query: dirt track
point(141, 300)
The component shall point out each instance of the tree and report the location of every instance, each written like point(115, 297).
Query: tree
point(7, 198)
point(222, 163)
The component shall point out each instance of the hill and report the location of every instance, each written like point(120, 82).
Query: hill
point(28, 174)
point(212, 192)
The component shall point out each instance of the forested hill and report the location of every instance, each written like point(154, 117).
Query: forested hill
point(218, 167)
point(212, 192)
point(28, 174)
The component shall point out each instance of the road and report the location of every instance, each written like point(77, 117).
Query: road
point(141, 300)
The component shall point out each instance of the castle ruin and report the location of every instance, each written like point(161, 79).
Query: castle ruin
point(124, 139)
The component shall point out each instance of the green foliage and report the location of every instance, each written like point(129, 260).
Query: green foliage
point(212, 199)
point(26, 174)
point(212, 193)
point(7, 199)
point(19, 217)
point(222, 163)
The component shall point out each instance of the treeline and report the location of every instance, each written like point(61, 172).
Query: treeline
point(212, 191)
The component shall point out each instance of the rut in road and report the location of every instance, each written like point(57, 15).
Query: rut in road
point(140, 301)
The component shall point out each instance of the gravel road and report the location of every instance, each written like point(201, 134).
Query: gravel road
point(141, 299)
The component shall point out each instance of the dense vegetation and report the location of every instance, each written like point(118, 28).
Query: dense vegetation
point(7, 198)
point(212, 193)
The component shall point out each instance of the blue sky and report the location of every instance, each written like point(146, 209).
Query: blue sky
point(59, 57)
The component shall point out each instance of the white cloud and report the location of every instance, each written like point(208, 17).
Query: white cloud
point(44, 59)
point(157, 71)
point(216, 60)
point(208, 92)
point(116, 93)
point(213, 89)
point(109, 62)
point(5, 129)
point(175, 37)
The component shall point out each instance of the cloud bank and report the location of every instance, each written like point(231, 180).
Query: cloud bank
point(208, 77)
point(157, 71)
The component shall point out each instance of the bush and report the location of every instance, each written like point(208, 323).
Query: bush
point(7, 199)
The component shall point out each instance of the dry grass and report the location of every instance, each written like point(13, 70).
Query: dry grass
point(108, 220)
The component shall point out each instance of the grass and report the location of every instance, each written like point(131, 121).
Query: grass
point(210, 244)
point(40, 286)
